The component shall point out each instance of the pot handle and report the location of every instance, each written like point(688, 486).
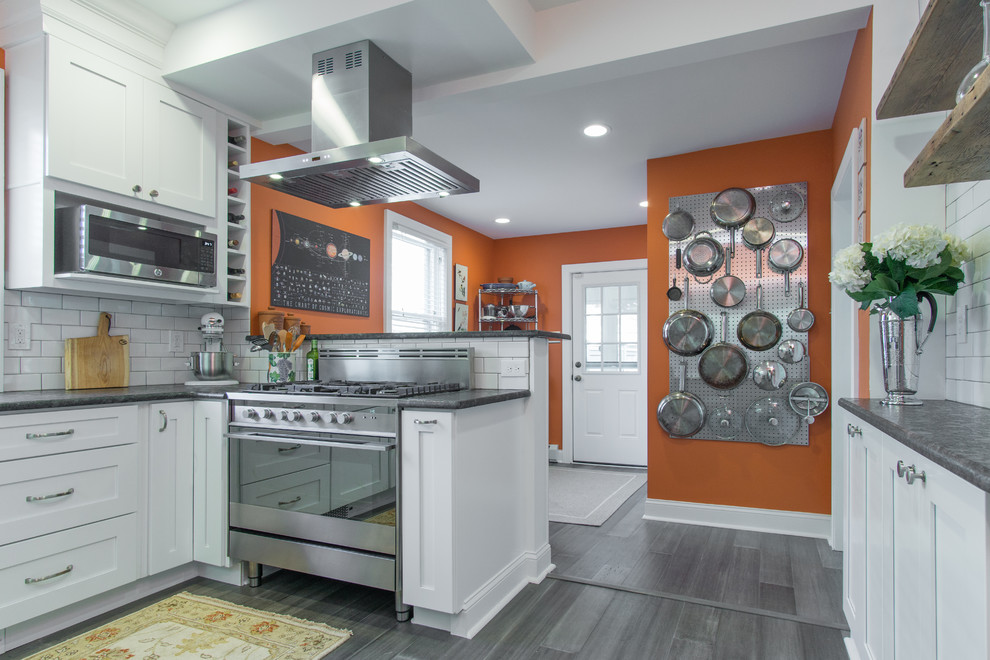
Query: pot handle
point(930, 299)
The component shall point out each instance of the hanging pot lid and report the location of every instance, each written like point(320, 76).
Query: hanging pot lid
point(771, 421)
point(726, 423)
point(786, 205)
point(769, 375)
point(808, 400)
point(791, 351)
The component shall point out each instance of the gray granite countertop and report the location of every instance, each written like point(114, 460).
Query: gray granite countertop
point(954, 435)
point(46, 399)
point(498, 334)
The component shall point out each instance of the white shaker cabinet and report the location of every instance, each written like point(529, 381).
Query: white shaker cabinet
point(170, 485)
point(916, 564)
point(209, 487)
point(111, 129)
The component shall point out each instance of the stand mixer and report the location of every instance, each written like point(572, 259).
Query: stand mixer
point(212, 365)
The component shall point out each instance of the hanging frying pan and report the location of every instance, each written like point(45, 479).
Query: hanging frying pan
point(678, 225)
point(703, 255)
point(681, 413)
point(791, 351)
point(728, 290)
point(757, 233)
point(801, 319)
point(786, 205)
point(759, 330)
point(723, 365)
point(673, 293)
point(786, 255)
point(769, 375)
point(687, 331)
point(731, 208)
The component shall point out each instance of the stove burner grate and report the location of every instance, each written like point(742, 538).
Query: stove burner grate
point(390, 390)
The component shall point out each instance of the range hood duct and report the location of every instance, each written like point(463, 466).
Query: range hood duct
point(362, 116)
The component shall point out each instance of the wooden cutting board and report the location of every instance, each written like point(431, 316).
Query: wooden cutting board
point(100, 361)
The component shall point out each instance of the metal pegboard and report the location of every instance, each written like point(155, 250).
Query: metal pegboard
point(775, 301)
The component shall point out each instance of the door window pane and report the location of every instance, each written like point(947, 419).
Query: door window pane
point(612, 328)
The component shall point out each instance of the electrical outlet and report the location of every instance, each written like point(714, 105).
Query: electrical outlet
point(513, 367)
point(175, 342)
point(20, 336)
point(964, 300)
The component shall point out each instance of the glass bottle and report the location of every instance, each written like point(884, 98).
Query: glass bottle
point(974, 73)
point(313, 361)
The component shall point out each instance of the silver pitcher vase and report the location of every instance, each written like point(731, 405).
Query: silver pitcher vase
point(901, 343)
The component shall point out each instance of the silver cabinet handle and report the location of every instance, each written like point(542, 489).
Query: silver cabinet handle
point(40, 498)
point(136, 188)
point(853, 430)
point(913, 475)
point(52, 434)
point(68, 569)
point(164, 421)
point(292, 501)
point(292, 448)
point(153, 193)
point(901, 469)
point(424, 421)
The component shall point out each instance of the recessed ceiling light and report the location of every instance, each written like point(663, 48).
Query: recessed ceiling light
point(275, 177)
point(376, 160)
point(355, 203)
point(502, 221)
point(443, 193)
point(596, 130)
point(644, 204)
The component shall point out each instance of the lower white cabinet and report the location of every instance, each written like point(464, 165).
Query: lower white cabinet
point(916, 576)
point(209, 491)
point(170, 485)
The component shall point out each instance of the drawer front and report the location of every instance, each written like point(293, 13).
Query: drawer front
point(51, 493)
point(36, 578)
point(307, 491)
point(40, 434)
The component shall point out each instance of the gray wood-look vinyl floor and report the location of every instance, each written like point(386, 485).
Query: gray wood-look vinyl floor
point(629, 589)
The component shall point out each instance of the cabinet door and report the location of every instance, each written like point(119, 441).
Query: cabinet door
point(427, 510)
point(209, 484)
point(95, 120)
point(180, 154)
point(170, 485)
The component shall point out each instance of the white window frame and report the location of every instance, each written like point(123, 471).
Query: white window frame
point(393, 219)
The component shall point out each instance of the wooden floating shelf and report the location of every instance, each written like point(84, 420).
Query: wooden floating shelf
point(946, 44)
point(960, 148)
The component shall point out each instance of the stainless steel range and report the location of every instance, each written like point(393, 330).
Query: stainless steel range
point(314, 469)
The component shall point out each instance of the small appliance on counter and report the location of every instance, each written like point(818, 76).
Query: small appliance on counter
point(212, 365)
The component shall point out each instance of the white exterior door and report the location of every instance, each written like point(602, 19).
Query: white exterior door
point(608, 370)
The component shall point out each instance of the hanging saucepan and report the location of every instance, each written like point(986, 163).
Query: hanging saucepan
point(681, 413)
point(731, 208)
point(678, 225)
point(791, 351)
point(757, 233)
point(801, 319)
point(769, 375)
point(687, 331)
point(786, 255)
point(771, 422)
point(723, 365)
point(728, 290)
point(759, 330)
point(703, 255)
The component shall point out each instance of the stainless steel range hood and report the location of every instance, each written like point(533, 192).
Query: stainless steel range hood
point(362, 116)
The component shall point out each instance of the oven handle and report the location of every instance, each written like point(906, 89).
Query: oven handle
point(315, 443)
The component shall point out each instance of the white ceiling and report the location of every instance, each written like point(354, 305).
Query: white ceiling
point(502, 88)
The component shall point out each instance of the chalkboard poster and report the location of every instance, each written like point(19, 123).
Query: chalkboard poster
point(319, 268)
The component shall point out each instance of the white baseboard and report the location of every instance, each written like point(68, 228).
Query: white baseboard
point(555, 454)
point(795, 523)
point(482, 606)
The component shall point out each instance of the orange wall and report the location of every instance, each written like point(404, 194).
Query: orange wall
point(792, 478)
point(855, 104)
point(539, 259)
point(470, 248)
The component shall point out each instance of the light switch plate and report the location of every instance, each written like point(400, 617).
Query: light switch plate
point(175, 343)
point(964, 300)
point(516, 367)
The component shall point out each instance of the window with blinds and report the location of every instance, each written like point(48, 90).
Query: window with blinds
point(419, 278)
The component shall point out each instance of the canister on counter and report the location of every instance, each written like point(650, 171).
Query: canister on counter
point(292, 323)
point(273, 316)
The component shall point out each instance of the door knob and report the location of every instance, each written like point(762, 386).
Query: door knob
point(578, 377)
point(577, 364)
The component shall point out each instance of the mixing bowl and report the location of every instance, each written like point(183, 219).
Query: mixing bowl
point(217, 365)
point(518, 311)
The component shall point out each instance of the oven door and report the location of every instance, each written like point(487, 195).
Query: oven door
point(325, 488)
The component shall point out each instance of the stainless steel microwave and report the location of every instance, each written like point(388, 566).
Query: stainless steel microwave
point(89, 239)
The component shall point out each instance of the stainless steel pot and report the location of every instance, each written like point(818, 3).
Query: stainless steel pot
point(759, 330)
point(786, 255)
point(218, 365)
point(731, 208)
point(681, 413)
point(687, 331)
point(723, 365)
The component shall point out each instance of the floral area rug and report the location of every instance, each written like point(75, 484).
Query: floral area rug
point(190, 626)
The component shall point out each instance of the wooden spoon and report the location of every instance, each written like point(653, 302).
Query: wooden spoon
point(298, 342)
point(281, 341)
point(273, 341)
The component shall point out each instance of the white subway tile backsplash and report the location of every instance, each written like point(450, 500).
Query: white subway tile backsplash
point(139, 378)
point(60, 316)
point(32, 299)
point(53, 381)
point(43, 332)
point(175, 310)
point(12, 365)
point(492, 365)
point(513, 349)
point(15, 314)
point(11, 297)
point(160, 378)
point(486, 381)
point(115, 306)
point(52, 348)
point(146, 308)
point(147, 336)
point(41, 365)
point(146, 364)
point(128, 321)
point(80, 302)
point(513, 382)
point(14, 383)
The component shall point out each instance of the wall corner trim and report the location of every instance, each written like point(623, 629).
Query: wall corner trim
point(794, 523)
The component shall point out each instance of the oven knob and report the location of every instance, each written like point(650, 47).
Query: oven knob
point(314, 416)
point(251, 413)
point(344, 418)
point(269, 413)
point(291, 415)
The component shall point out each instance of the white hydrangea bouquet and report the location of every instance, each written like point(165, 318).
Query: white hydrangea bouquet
point(899, 264)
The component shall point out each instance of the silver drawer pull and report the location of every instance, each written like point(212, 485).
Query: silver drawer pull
point(292, 448)
point(292, 501)
point(39, 498)
point(902, 469)
point(68, 569)
point(164, 425)
point(424, 421)
point(53, 434)
point(853, 430)
point(913, 475)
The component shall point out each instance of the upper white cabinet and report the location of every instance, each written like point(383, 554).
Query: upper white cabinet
point(111, 129)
